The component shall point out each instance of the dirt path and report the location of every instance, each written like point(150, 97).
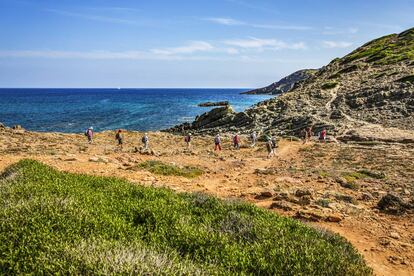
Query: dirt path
point(387, 242)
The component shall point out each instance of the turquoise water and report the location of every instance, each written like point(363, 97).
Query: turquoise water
point(73, 110)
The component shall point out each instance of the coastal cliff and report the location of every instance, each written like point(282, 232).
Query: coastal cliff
point(285, 84)
point(365, 95)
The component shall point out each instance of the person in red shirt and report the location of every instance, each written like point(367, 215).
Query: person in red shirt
point(322, 135)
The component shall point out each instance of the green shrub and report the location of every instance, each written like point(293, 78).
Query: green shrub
point(409, 78)
point(329, 85)
point(372, 174)
point(158, 167)
point(60, 223)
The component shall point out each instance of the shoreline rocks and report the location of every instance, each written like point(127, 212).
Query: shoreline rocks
point(209, 104)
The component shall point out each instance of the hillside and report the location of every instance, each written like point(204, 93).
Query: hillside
point(285, 84)
point(53, 222)
point(366, 95)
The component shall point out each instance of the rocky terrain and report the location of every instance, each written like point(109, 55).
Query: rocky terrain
point(363, 191)
point(284, 85)
point(366, 95)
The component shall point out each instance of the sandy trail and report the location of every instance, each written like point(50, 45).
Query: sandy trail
point(247, 173)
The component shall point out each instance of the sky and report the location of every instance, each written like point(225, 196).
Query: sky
point(183, 43)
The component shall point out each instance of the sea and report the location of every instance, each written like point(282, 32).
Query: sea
point(74, 110)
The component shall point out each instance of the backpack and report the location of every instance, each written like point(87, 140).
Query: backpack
point(144, 139)
point(217, 140)
point(187, 139)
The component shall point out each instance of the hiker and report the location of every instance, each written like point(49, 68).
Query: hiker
point(322, 135)
point(217, 142)
point(120, 138)
point(145, 141)
point(253, 136)
point(269, 147)
point(274, 144)
point(236, 141)
point(307, 134)
point(89, 134)
point(187, 140)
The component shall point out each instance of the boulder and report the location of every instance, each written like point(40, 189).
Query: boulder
point(303, 192)
point(393, 204)
point(208, 104)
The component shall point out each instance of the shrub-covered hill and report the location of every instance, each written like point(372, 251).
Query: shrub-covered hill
point(55, 222)
point(354, 97)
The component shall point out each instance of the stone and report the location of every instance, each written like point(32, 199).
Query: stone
point(333, 218)
point(264, 194)
point(305, 200)
point(366, 197)
point(285, 206)
point(303, 192)
point(308, 215)
point(393, 204)
point(98, 159)
point(17, 127)
point(395, 235)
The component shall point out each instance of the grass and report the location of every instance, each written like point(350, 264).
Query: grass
point(386, 50)
point(329, 85)
point(158, 167)
point(409, 78)
point(60, 223)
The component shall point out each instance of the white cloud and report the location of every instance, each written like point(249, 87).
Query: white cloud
point(234, 22)
point(73, 54)
point(94, 17)
point(338, 31)
point(262, 44)
point(194, 46)
point(336, 44)
point(225, 21)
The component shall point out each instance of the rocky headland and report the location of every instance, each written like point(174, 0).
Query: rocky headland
point(285, 84)
point(367, 95)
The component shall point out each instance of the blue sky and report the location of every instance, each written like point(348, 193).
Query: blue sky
point(183, 43)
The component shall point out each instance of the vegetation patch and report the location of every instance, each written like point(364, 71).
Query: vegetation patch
point(59, 223)
point(372, 174)
point(409, 79)
point(349, 69)
point(334, 76)
point(329, 85)
point(386, 50)
point(158, 167)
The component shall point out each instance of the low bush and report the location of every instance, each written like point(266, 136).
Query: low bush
point(158, 167)
point(60, 223)
point(329, 85)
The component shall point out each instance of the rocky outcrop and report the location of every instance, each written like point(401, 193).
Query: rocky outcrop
point(209, 104)
point(284, 85)
point(366, 95)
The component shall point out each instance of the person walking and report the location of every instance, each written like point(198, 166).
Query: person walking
point(217, 143)
point(236, 141)
point(89, 134)
point(187, 140)
point(120, 138)
point(322, 136)
point(273, 141)
point(145, 141)
point(269, 148)
point(307, 134)
point(253, 136)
